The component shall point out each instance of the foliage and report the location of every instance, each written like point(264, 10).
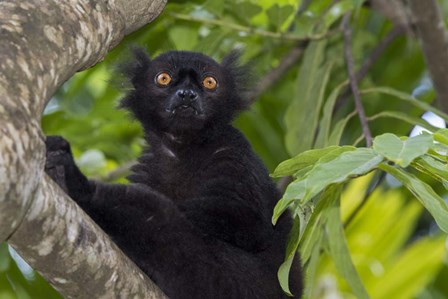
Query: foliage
point(359, 238)
point(324, 170)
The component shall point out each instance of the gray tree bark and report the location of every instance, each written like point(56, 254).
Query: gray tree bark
point(433, 35)
point(42, 44)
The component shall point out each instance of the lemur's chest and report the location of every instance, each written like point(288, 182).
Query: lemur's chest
point(179, 178)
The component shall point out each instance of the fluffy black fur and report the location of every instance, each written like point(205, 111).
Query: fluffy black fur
point(197, 215)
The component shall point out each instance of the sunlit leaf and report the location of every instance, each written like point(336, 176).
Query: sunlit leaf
point(412, 270)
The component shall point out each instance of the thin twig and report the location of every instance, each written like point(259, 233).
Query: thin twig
point(252, 30)
point(370, 60)
point(352, 77)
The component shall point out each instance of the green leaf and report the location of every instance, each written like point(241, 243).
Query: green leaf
point(404, 117)
point(424, 193)
point(215, 7)
point(407, 98)
point(402, 152)
point(313, 229)
point(338, 129)
point(293, 243)
point(279, 14)
point(183, 37)
point(340, 253)
point(301, 161)
point(441, 136)
point(295, 190)
point(348, 164)
point(301, 117)
point(4, 257)
point(325, 123)
point(413, 270)
point(336, 11)
point(245, 11)
point(432, 167)
point(283, 275)
point(324, 173)
point(311, 267)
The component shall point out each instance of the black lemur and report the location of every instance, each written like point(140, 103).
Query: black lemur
point(196, 216)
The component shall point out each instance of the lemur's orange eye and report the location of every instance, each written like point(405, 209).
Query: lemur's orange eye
point(163, 79)
point(210, 83)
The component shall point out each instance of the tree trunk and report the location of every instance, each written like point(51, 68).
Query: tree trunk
point(43, 43)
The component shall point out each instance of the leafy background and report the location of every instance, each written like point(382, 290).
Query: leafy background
point(375, 239)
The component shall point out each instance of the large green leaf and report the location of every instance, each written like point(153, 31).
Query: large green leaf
point(302, 160)
point(424, 193)
point(301, 117)
point(340, 253)
point(347, 164)
point(402, 152)
point(306, 232)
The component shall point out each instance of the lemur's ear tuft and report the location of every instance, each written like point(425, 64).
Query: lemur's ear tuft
point(134, 69)
point(130, 73)
point(241, 73)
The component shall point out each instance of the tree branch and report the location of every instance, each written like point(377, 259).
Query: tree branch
point(434, 39)
point(370, 60)
point(352, 77)
point(43, 44)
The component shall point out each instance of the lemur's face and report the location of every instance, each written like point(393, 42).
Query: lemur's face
point(181, 91)
point(188, 88)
